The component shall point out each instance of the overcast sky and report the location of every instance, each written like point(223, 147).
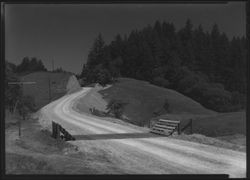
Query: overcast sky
point(65, 33)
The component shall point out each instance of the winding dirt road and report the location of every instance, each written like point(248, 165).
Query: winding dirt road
point(148, 153)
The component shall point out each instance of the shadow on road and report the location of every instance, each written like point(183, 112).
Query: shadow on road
point(115, 136)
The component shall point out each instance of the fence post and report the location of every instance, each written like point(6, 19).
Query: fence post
point(58, 131)
point(53, 129)
point(179, 131)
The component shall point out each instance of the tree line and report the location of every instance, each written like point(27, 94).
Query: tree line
point(204, 65)
point(14, 98)
point(29, 65)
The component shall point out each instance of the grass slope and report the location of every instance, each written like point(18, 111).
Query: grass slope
point(221, 124)
point(40, 90)
point(144, 99)
point(224, 124)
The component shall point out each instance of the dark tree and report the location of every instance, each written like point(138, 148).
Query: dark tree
point(116, 107)
point(96, 54)
point(190, 61)
point(12, 92)
point(28, 66)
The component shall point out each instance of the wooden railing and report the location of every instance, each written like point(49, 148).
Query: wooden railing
point(166, 127)
point(59, 132)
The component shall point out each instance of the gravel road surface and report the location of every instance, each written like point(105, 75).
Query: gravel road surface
point(151, 154)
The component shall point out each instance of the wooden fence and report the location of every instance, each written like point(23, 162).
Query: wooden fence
point(168, 127)
point(59, 132)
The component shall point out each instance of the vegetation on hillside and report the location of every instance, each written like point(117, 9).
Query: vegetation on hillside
point(221, 124)
point(206, 66)
point(145, 101)
point(14, 98)
point(47, 85)
point(29, 65)
point(12, 92)
point(116, 107)
point(59, 70)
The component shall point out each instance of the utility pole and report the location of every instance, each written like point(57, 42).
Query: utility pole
point(21, 84)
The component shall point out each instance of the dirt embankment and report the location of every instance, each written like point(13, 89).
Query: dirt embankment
point(72, 85)
point(92, 99)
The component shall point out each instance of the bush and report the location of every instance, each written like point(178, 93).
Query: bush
point(166, 105)
point(116, 107)
point(159, 71)
point(25, 105)
point(160, 81)
point(12, 92)
point(189, 81)
point(103, 77)
point(210, 95)
point(217, 99)
point(98, 75)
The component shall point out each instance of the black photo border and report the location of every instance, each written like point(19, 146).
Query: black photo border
point(63, 177)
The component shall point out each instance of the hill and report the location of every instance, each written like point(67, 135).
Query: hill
point(221, 124)
point(144, 99)
point(188, 60)
point(49, 86)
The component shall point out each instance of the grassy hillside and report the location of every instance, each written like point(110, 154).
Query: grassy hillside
point(144, 99)
point(222, 124)
point(40, 90)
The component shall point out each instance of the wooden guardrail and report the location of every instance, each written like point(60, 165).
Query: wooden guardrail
point(59, 132)
point(166, 127)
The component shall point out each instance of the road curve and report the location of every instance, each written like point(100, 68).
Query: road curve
point(183, 157)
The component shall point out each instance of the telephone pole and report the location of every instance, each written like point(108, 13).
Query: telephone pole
point(21, 83)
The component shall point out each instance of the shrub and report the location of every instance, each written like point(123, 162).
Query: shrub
point(159, 71)
point(160, 81)
point(190, 81)
point(12, 92)
point(210, 95)
point(25, 105)
point(217, 99)
point(166, 105)
point(98, 75)
point(103, 77)
point(116, 107)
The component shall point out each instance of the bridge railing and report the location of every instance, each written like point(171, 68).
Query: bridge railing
point(59, 132)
